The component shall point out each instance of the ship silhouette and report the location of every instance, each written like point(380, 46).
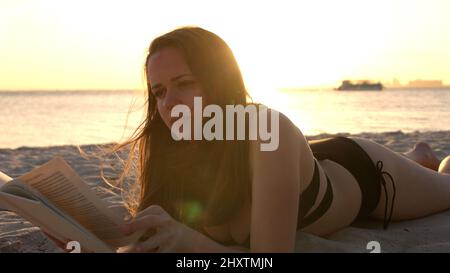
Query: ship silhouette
point(360, 85)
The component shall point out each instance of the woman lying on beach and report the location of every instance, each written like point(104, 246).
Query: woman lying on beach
point(228, 195)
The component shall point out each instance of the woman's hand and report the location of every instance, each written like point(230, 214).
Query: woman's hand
point(168, 234)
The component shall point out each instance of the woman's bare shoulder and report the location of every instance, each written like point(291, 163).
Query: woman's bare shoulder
point(285, 136)
point(279, 126)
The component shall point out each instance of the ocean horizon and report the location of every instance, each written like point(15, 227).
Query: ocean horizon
point(36, 118)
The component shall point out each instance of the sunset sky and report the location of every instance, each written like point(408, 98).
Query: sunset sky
point(85, 44)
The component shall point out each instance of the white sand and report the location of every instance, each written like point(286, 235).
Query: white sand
point(431, 234)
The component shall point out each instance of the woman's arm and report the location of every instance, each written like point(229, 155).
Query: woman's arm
point(275, 191)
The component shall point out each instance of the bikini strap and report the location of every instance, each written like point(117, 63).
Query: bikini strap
point(309, 197)
point(380, 173)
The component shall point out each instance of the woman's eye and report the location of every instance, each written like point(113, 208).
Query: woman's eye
point(185, 83)
point(158, 93)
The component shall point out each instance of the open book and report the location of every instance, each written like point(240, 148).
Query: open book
point(56, 199)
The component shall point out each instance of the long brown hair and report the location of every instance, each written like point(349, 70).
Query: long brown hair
point(205, 182)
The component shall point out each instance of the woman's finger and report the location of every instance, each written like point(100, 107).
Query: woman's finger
point(152, 209)
point(168, 247)
point(144, 222)
point(126, 249)
point(152, 243)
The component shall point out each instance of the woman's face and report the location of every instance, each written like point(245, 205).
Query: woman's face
point(171, 82)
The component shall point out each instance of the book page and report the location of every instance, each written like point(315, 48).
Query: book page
point(4, 179)
point(60, 184)
point(17, 188)
point(57, 226)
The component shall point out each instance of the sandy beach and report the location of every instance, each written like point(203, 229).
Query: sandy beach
point(431, 234)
